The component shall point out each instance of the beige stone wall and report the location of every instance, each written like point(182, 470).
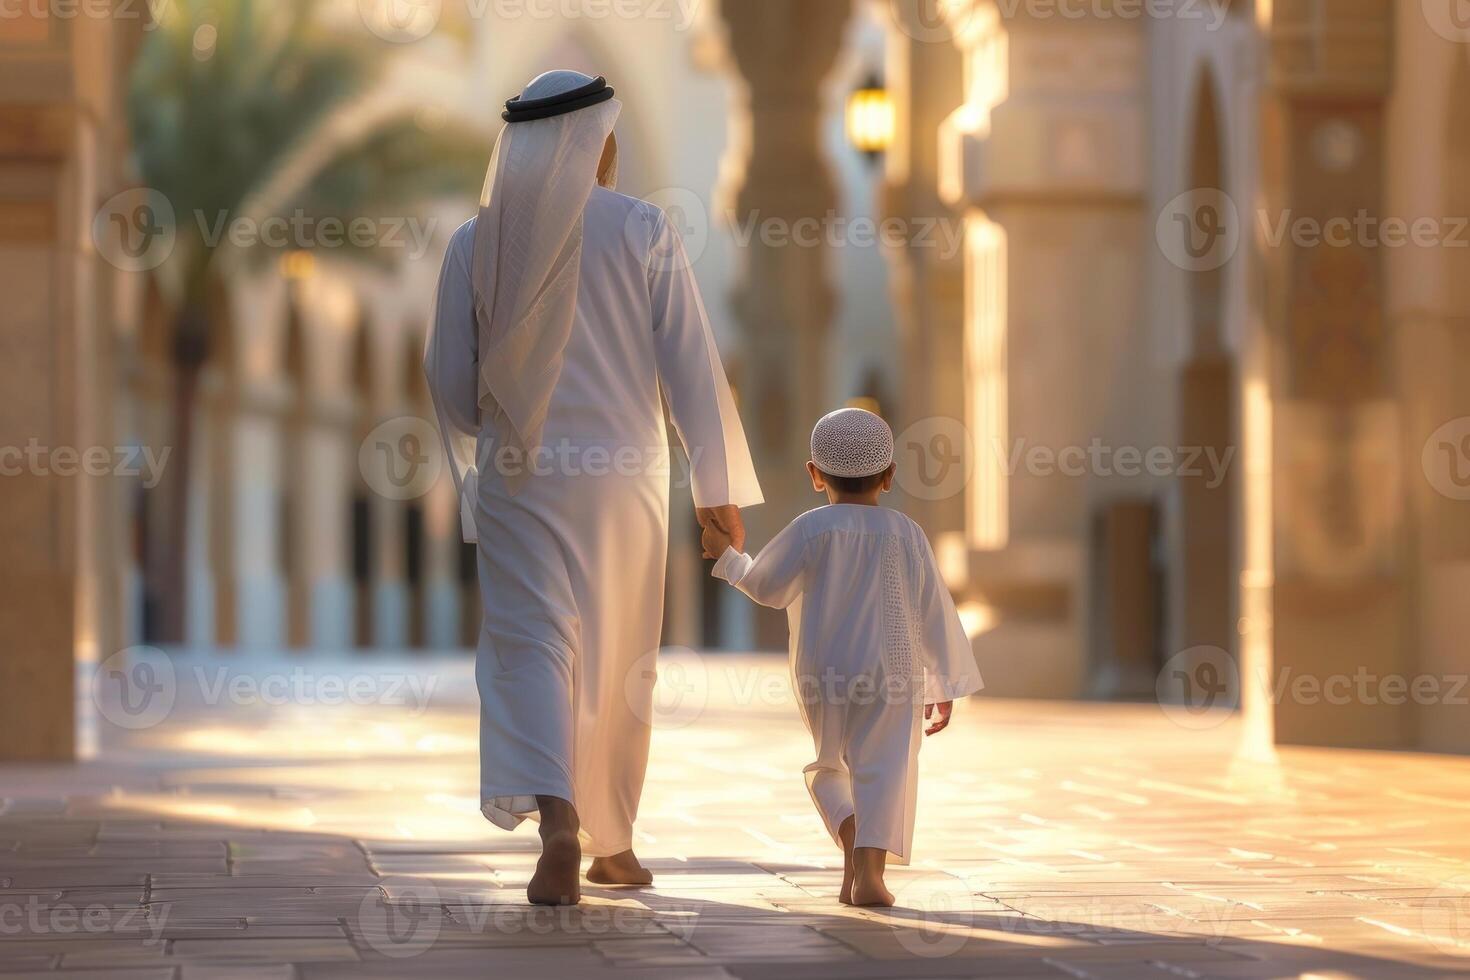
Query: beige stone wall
point(59, 143)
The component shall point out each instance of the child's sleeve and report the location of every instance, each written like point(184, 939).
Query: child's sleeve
point(773, 577)
point(949, 659)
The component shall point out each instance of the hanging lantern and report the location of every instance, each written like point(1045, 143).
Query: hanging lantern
point(871, 118)
point(298, 265)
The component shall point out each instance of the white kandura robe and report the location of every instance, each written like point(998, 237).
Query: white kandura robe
point(572, 563)
point(874, 637)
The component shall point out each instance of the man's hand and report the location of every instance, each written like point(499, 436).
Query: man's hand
point(714, 542)
point(727, 519)
point(943, 708)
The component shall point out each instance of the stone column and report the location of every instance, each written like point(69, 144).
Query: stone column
point(1339, 595)
point(388, 594)
point(58, 145)
point(925, 76)
point(1047, 157)
point(256, 464)
point(328, 315)
point(201, 621)
point(1428, 173)
point(783, 51)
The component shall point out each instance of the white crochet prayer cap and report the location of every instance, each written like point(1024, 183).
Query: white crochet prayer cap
point(852, 442)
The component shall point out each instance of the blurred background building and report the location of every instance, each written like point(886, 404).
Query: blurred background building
point(1168, 443)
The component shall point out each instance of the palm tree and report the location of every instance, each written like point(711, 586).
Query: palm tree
point(246, 109)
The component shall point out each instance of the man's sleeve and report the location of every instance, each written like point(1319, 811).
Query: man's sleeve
point(694, 381)
point(451, 365)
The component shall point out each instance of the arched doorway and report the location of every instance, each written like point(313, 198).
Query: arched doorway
point(292, 550)
point(360, 519)
point(1207, 595)
point(415, 526)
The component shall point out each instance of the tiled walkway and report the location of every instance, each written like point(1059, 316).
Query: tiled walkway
point(334, 833)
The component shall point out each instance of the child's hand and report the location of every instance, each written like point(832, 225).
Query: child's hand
point(943, 709)
point(714, 541)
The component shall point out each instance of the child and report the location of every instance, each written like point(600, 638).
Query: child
point(874, 635)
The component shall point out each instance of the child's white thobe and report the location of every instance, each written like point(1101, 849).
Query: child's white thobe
point(874, 637)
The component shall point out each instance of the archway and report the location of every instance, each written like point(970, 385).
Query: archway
point(360, 519)
point(292, 550)
point(415, 525)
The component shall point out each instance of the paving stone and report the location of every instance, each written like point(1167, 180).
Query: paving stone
point(1150, 852)
point(26, 964)
point(160, 973)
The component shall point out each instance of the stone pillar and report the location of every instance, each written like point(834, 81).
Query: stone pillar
point(328, 461)
point(1428, 172)
point(784, 302)
point(256, 477)
point(224, 403)
point(925, 76)
point(201, 626)
point(58, 145)
point(1339, 596)
point(1047, 157)
point(388, 593)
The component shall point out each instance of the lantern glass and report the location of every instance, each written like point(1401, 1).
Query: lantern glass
point(870, 118)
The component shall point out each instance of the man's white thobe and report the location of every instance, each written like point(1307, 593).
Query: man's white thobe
point(874, 637)
point(572, 560)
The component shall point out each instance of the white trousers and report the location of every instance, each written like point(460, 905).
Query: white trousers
point(867, 735)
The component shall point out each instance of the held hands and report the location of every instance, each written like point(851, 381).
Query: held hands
point(943, 709)
point(726, 521)
point(714, 541)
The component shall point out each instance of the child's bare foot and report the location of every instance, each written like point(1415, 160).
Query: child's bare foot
point(845, 833)
point(556, 879)
point(867, 878)
point(619, 869)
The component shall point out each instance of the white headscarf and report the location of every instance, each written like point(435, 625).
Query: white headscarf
point(527, 257)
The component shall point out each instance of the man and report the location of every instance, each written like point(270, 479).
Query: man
point(567, 313)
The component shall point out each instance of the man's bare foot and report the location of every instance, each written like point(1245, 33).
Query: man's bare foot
point(556, 881)
point(845, 833)
point(867, 878)
point(619, 869)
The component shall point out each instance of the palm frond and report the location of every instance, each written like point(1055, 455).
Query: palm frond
point(224, 92)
